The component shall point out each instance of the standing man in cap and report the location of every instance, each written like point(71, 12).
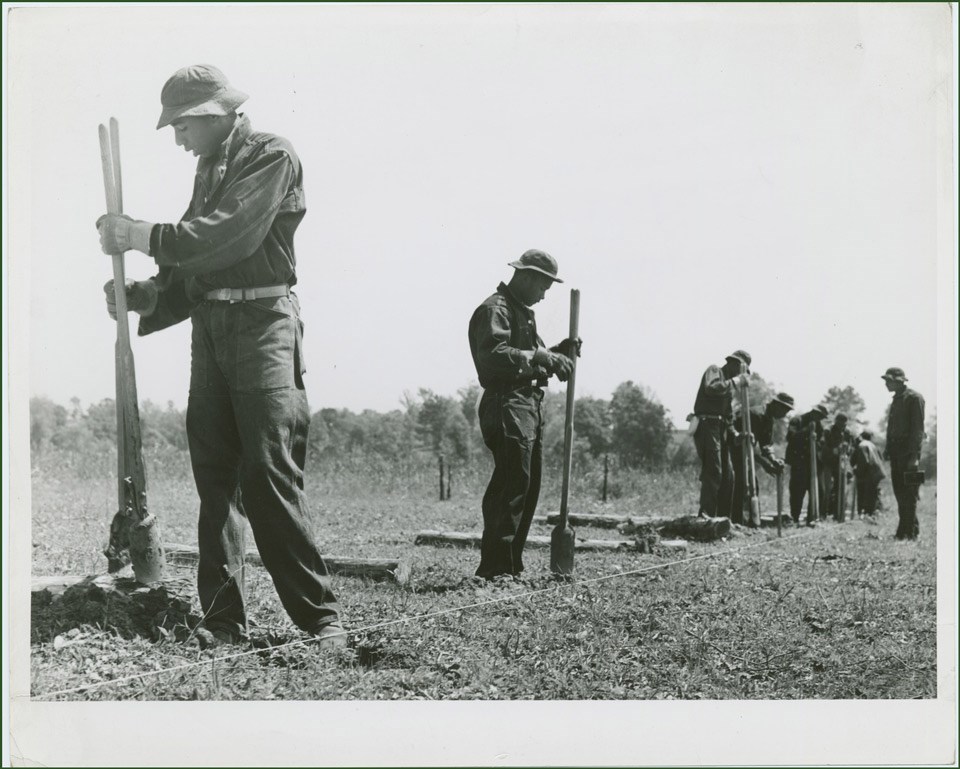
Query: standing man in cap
point(837, 442)
point(905, 434)
point(798, 457)
point(868, 470)
point(762, 423)
point(229, 265)
point(513, 367)
point(713, 412)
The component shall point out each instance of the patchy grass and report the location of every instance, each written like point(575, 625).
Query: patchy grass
point(839, 611)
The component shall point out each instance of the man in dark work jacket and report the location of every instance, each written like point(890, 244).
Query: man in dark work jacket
point(228, 265)
point(762, 423)
point(905, 434)
point(513, 366)
point(713, 409)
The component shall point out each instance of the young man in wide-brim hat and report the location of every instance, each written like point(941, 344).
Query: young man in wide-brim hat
point(513, 367)
point(229, 266)
point(905, 434)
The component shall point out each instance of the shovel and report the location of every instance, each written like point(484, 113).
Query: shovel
point(563, 538)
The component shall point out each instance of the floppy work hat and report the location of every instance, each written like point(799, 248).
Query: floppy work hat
point(200, 89)
point(783, 399)
point(538, 261)
point(741, 355)
point(896, 373)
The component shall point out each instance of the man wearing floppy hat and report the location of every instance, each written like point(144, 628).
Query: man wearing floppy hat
point(229, 265)
point(762, 424)
point(837, 442)
point(513, 367)
point(799, 459)
point(713, 410)
point(905, 434)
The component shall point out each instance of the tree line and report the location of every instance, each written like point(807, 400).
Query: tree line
point(632, 427)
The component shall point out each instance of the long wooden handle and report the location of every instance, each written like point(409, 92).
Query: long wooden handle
point(571, 397)
point(110, 161)
point(752, 467)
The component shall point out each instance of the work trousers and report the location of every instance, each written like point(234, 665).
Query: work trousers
point(799, 488)
point(740, 498)
point(907, 496)
point(512, 427)
point(832, 481)
point(247, 422)
point(716, 468)
point(868, 493)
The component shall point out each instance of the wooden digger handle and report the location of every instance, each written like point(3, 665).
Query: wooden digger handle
point(571, 397)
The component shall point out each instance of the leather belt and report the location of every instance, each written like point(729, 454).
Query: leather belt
point(709, 417)
point(246, 294)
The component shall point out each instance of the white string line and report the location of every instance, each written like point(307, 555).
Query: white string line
point(421, 617)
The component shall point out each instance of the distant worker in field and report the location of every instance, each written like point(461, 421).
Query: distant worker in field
point(713, 415)
point(229, 266)
point(868, 471)
point(837, 443)
point(905, 434)
point(762, 424)
point(513, 367)
point(798, 457)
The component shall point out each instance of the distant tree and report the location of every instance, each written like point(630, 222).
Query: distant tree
point(642, 430)
point(928, 453)
point(46, 420)
point(592, 423)
point(468, 403)
point(442, 426)
point(844, 400)
point(163, 427)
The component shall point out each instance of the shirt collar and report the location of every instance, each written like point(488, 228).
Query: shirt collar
point(504, 289)
point(231, 145)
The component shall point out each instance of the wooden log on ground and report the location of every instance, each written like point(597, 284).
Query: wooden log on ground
point(597, 521)
point(696, 528)
point(466, 539)
point(374, 568)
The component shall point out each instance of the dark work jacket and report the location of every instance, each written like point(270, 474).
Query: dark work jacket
point(238, 230)
point(798, 446)
point(836, 440)
point(761, 425)
point(503, 333)
point(905, 431)
point(715, 395)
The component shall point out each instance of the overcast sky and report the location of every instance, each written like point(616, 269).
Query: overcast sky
point(768, 177)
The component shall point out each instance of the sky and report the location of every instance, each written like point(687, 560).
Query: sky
point(768, 177)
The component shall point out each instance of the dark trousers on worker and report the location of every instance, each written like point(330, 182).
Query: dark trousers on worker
point(740, 498)
point(511, 423)
point(833, 483)
point(716, 468)
point(247, 422)
point(907, 496)
point(799, 487)
point(868, 494)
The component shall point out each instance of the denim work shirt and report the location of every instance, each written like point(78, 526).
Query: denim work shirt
point(238, 230)
point(905, 430)
point(715, 395)
point(503, 336)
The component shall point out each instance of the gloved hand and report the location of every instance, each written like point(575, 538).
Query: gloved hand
point(119, 233)
point(141, 297)
point(566, 347)
point(553, 362)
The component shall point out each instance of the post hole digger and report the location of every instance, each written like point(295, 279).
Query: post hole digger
point(749, 463)
point(134, 535)
point(563, 538)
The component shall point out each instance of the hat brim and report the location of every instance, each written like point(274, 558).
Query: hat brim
point(520, 266)
point(789, 406)
point(739, 360)
point(888, 378)
point(223, 103)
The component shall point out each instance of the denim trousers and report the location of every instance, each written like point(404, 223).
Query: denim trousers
point(716, 468)
point(512, 427)
point(247, 422)
point(908, 527)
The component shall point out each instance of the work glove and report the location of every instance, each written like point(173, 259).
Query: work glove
point(553, 362)
point(566, 347)
point(120, 233)
point(142, 297)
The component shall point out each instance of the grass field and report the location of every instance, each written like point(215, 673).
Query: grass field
point(837, 611)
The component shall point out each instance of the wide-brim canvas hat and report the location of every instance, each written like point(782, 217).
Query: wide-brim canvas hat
point(895, 373)
point(784, 399)
point(538, 261)
point(200, 89)
point(742, 356)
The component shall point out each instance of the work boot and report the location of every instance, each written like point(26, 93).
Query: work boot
point(331, 636)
